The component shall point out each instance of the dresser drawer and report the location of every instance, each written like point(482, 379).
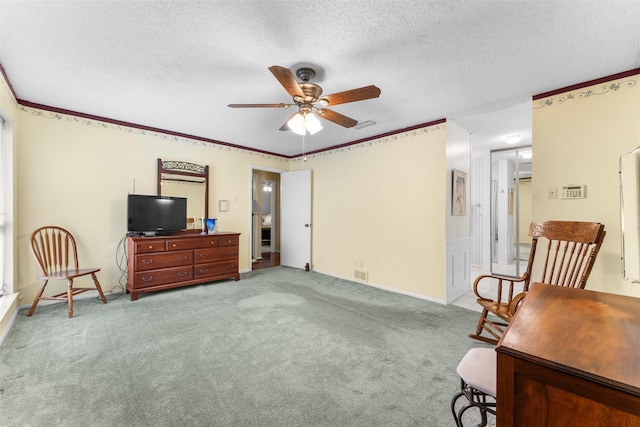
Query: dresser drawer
point(215, 269)
point(204, 256)
point(163, 260)
point(192, 243)
point(162, 277)
point(228, 240)
point(150, 246)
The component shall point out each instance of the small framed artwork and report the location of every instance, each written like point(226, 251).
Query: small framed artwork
point(459, 196)
point(223, 205)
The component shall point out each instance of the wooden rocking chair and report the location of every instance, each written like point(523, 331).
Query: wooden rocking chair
point(54, 248)
point(566, 260)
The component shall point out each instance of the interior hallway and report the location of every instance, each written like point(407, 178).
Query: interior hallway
point(269, 259)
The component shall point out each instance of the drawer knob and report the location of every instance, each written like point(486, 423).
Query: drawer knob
point(150, 247)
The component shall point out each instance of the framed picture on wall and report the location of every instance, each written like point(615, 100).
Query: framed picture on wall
point(459, 196)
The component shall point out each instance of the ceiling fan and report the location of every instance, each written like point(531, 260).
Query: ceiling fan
point(308, 96)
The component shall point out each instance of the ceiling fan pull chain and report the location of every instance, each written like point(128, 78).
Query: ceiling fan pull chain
point(304, 149)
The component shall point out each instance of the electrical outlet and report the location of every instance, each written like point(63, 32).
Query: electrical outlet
point(552, 193)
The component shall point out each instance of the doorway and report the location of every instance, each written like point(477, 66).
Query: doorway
point(510, 210)
point(265, 230)
point(493, 132)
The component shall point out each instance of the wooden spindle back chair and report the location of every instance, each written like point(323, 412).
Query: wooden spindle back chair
point(565, 260)
point(54, 249)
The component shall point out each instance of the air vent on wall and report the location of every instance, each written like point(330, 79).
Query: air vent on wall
point(362, 275)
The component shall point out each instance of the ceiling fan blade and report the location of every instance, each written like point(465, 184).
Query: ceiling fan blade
point(259, 105)
point(336, 118)
point(285, 126)
point(353, 95)
point(287, 80)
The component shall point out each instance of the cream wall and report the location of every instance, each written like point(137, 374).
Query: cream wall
point(578, 138)
point(524, 210)
point(76, 173)
point(75, 176)
point(378, 207)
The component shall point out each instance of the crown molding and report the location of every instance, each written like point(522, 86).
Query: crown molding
point(588, 83)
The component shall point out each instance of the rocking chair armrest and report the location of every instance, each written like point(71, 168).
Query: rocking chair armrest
point(510, 280)
point(516, 302)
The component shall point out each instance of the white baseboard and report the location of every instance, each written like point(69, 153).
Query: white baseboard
point(384, 288)
point(6, 302)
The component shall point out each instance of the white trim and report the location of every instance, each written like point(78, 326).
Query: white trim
point(385, 288)
point(5, 304)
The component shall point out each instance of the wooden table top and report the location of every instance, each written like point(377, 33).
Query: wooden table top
point(593, 335)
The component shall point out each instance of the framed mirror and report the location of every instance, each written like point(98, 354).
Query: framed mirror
point(629, 215)
point(184, 179)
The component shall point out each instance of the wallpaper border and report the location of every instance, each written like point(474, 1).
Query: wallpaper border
point(606, 85)
point(424, 129)
point(135, 130)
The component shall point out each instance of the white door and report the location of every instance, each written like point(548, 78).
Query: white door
point(295, 219)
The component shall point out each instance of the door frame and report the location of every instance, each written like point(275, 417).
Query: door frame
point(252, 169)
point(515, 244)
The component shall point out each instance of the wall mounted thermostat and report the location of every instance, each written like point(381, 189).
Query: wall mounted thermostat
point(574, 192)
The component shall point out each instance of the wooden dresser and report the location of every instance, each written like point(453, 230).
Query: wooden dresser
point(164, 262)
point(570, 357)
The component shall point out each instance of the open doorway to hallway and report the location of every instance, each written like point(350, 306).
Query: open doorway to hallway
point(499, 190)
point(265, 234)
point(511, 210)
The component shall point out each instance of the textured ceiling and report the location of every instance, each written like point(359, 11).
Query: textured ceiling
point(175, 65)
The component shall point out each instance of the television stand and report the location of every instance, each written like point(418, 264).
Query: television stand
point(157, 263)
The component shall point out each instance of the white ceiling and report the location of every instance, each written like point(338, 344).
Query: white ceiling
point(175, 65)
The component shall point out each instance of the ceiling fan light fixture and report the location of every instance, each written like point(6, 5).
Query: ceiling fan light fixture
point(313, 124)
point(301, 123)
point(296, 124)
point(323, 102)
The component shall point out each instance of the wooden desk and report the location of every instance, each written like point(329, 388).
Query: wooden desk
point(570, 357)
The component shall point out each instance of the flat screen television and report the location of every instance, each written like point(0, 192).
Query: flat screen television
point(153, 215)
